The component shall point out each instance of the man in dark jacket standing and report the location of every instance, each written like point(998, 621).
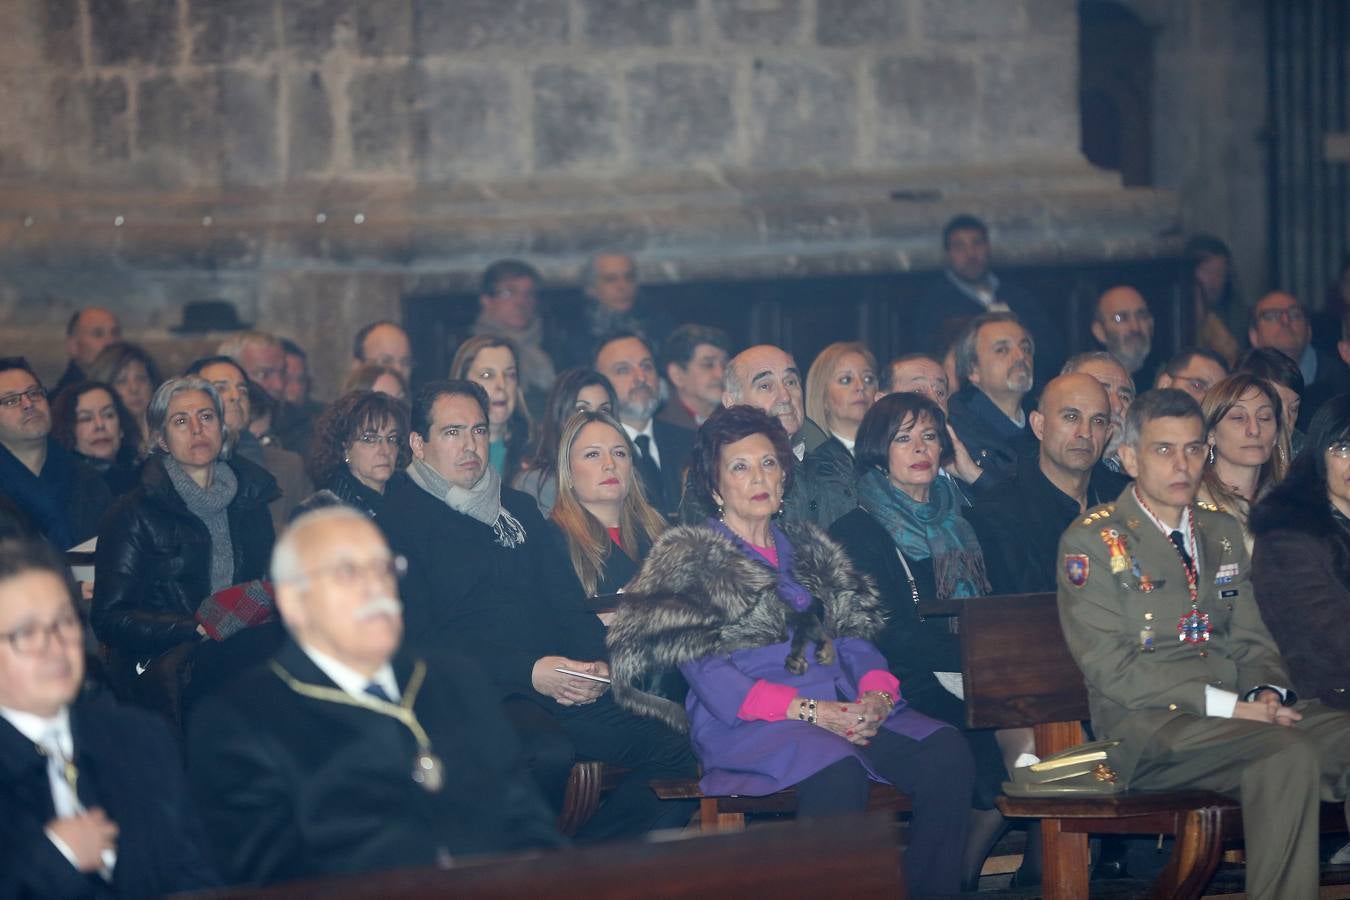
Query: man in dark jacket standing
point(484, 578)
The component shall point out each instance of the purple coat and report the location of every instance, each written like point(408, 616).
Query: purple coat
point(701, 604)
point(757, 757)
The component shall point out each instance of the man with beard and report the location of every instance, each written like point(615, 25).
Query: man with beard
point(344, 753)
point(1156, 604)
point(1019, 522)
point(1123, 325)
point(994, 359)
point(625, 358)
point(485, 576)
point(1119, 390)
point(62, 498)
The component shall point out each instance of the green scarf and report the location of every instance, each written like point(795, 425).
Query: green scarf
point(935, 529)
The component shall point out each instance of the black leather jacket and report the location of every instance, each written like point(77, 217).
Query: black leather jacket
point(153, 565)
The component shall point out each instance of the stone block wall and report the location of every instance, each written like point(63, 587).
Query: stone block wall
point(264, 93)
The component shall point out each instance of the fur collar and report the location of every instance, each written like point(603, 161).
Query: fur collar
point(1297, 504)
point(697, 596)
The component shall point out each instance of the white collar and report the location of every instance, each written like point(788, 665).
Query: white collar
point(848, 444)
point(351, 681)
point(634, 432)
point(35, 727)
point(1184, 526)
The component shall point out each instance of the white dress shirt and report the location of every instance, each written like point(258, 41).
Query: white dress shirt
point(654, 452)
point(351, 681)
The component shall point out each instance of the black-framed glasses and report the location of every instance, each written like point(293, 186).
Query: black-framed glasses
point(34, 394)
point(372, 438)
point(33, 638)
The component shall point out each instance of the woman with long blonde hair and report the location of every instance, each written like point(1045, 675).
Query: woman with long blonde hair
point(601, 511)
point(1248, 445)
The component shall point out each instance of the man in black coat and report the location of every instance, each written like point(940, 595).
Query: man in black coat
point(62, 498)
point(92, 799)
point(1019, 522)
point(967, 287)
point(994, 359)
point(343, 754)
point(485, 577)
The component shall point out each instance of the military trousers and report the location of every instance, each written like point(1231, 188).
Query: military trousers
point(1279, 775)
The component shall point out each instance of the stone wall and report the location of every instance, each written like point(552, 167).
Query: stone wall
point(261, 93)
point(317, 162)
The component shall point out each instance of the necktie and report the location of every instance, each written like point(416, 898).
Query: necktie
point(648, 471)
point(61, 775)
point(644, 445)
point(1179, 540)
point(378, 692)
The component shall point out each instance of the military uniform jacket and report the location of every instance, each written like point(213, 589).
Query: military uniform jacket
point(1134, 691)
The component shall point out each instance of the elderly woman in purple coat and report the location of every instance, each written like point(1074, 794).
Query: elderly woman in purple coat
point(772, 629)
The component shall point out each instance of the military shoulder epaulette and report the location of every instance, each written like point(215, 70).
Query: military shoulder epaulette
point(1209, 506)
point(1101, 512)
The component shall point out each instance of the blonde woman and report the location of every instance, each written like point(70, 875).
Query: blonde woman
point(601, 511)
point(840, 388)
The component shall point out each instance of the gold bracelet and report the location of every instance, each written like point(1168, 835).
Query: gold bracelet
point(885, 695)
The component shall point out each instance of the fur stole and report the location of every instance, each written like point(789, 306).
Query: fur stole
point(697, 596)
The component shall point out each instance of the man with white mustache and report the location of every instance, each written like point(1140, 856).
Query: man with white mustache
point(995, 357)
point(344, 753)
point(626, 359)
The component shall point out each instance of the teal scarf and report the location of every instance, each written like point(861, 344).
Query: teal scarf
point(933, 529)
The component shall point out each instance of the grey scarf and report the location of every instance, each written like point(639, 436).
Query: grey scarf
point(482, 502)
point(209, 505)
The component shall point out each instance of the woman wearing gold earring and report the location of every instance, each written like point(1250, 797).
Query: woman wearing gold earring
point(1248, 452)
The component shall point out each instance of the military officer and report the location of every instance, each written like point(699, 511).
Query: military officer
point(1157, 610)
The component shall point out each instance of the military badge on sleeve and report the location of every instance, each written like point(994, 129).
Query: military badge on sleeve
point(1076, 568)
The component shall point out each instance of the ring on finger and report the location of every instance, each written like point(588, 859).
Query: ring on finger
point(861, 719)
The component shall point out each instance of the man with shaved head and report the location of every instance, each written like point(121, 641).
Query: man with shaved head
point(1123, 324)
point(346, 754)
point(1019, 522)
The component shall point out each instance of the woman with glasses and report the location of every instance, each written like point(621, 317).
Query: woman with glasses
point(1301, 564)
point(1248, 453)
point(176, 575)
point(360, 446)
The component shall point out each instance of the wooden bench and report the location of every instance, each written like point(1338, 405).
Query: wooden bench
point(1018, 673)
point(728, 813)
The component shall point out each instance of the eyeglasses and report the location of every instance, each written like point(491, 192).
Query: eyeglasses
point(1142, 315)
point(1340, 449)
point(348, 572)
point(371, 438)
point(32, 639)
point(1291, 315)
point(34, 394)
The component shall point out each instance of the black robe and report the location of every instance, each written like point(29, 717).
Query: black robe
point(296, 787)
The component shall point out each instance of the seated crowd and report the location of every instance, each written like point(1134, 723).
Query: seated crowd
point(379, 633)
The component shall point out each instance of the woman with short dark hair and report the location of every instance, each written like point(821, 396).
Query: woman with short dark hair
point(360, 445)
point(90, 420)
point(772, 629)
point(908, 534)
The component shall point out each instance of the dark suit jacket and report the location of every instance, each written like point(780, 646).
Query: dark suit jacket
point(129, 766)
point(503, 607)
point(993, 440)
point(296, 787)
point(674, 444)
point(942, 311)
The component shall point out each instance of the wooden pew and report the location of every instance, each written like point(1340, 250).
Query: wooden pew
point(1018, 673)
point(728, 813)
point(852, 857)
